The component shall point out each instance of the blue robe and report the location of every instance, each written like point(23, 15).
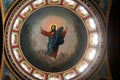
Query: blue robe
point(54, 42)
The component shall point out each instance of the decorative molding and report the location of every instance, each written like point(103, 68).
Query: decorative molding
point(101, 22)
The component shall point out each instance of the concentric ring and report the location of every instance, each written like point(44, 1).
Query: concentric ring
point(95, 39)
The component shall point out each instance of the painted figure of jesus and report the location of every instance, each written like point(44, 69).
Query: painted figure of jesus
point(56, 38)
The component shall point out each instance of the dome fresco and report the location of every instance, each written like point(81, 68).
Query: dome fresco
point(54, 39)
point(34, 44)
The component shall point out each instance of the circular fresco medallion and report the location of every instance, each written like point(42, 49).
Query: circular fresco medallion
point(54, 39)
point(53, 50)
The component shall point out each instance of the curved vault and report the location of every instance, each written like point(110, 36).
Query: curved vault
point(87, 28)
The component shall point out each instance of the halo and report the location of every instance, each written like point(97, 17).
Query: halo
point(53, 24)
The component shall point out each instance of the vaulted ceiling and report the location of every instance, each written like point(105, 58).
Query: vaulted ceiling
point(114, 40)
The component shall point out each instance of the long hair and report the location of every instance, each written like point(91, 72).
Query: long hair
point(53, 28)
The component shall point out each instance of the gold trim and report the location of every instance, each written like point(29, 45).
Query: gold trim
point(5, 63)
point(5, 15)
point(3, 58)
point(11, 70)
point(108, 68)
point(108, 10)
point(10, 9)
point(2, 11)
point(105, 15)
point(12, 54)
point(100, 10)
point(2, 66)
point(87, 47)
point(11, 6)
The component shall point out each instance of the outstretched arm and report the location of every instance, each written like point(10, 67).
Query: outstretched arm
point(45, 33)
point(64, 32)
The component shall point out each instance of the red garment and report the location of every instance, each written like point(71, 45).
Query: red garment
point(49, 34)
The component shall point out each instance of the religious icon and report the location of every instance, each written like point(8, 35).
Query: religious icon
point(50, 39)
point(53, 37)
point(56, 38)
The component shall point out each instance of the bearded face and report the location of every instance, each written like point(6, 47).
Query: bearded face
point(53, 28)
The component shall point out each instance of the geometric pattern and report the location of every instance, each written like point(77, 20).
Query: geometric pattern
point(95, 44)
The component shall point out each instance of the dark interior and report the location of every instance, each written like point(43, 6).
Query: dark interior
point(113, 40)
point(1, 37)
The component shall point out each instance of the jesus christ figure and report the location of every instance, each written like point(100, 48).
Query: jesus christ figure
point(56, 38)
